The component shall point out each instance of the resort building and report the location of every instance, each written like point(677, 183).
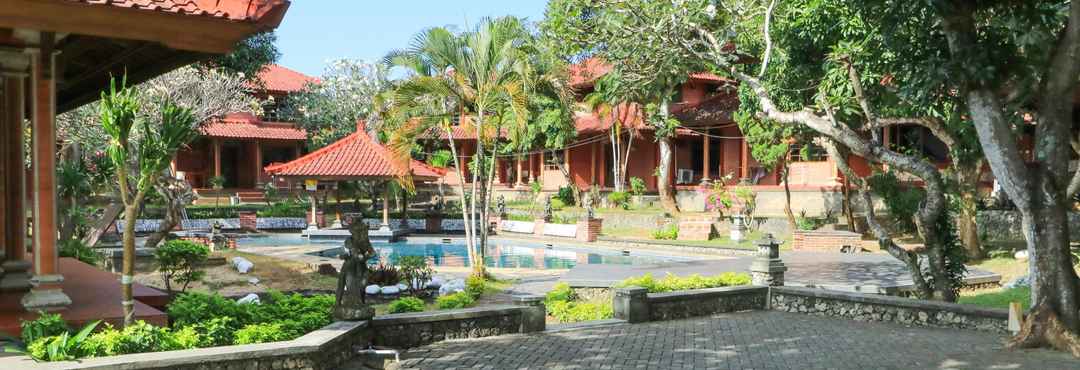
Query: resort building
point(236, 148)
point(58, 55)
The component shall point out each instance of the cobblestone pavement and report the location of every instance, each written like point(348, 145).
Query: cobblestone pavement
point(747, 340)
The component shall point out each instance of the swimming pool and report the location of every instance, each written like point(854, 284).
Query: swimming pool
point(500, 253)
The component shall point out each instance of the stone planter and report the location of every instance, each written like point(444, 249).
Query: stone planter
point(588, 230)
point(738, 228)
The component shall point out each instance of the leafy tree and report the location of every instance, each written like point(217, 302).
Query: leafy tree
point(770, 145)
point(248, 57)
point(139, 161)
point(606, 100)
point(179, 262)
point(347, 92)
point(477, 77)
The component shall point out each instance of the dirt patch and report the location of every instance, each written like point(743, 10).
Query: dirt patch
point(273, 273)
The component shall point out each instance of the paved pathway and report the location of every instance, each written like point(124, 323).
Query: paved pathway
point(863, 272)
point(748, 340)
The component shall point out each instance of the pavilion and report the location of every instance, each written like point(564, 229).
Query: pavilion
point(56, 55)
point(356, 157)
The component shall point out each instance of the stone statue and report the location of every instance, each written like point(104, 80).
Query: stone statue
point(350, 304)
point(547, 209)
point(500, 206)
point(590, 210)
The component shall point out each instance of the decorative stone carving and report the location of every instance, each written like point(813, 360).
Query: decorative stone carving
point(500, 206)
point(767, 268)
point(350, 303)
point(547, 208)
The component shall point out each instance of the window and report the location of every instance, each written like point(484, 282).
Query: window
point(554, 160)
point(807, 153)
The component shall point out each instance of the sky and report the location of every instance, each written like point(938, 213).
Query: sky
point(316, 31)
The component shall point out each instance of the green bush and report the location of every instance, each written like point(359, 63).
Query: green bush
point(75, 248)
point(287, 208)
point(261, 333)
point(619, 199)
point(178, 262)
point(218, 331)
point(137, 338)
point(901, 201)
point(580, 311)
point(562, 219)
point(669, 232)
point(415, 271)
point(193, 308)
point(672, 283)
point(297, 314)
point(637, 186)
point(561, 292)
point(565, 195)
point(520, 217)
point(62, 347)
point(441, 158)
point(46, 325)
point(406, 304)
point(475, 286)
point(384, 275)
point(454, 301)
point(557, 204)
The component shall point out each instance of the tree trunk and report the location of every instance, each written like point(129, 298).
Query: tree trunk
point(784, 172)
point(172, 218)
point(966, 227)
point(664, 183)
point(128, 267)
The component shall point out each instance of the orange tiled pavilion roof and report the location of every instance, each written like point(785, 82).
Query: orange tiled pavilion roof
point(247, 126)
point(356, 156)
point(278, 79)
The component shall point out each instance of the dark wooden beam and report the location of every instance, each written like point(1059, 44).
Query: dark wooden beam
point(74, 96)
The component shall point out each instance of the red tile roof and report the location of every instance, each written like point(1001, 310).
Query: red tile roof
point(247, 126)
point(353, 157)
point(235, 10)
point(588, 71)
point(592, 122)
point(278, 79)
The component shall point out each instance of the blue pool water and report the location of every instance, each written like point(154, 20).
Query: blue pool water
point(500, 253)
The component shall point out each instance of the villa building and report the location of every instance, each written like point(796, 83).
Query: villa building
point(708, 147)
point(236, 148)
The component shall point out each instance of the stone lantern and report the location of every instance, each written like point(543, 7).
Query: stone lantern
point(767, 268)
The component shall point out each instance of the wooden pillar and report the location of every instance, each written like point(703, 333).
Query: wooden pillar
point(46, 293)
point(216, 143)
point(566, 162)
point(256, 147)
point(705, 157)
point(532, 167)
point(592, 163)
point(13, 69)
point(386, 206)
point(744, 160)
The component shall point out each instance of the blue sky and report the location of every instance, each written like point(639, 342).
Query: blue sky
point(315, 31)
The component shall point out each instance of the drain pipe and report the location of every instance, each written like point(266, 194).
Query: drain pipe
point(380, 353)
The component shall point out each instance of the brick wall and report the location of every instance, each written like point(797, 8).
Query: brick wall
point(589, 229)
point(824, 240)
point(696, 227)
point(249, 220)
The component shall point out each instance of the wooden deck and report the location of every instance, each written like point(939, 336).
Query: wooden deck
point(95, 294)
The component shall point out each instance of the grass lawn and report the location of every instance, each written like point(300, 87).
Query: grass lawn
point(998, 298)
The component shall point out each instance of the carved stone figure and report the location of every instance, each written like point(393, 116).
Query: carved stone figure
point(500, 206)
point(547, 209)
point(590, 210)
point(350, 304)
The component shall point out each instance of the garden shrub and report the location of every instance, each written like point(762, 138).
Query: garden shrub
point(287, 208)
point(61, 347)
point(406, 304)
point(637, 186)
point(46, 325)
point(139, 337)
point(901, 201)
point(475, 286)
point(441, 158)
point(580, 311)
point(296, 314)
point(454, 301)
point(669, 232)
point(562, 304)
point(565, 194)
point(193, 308)
point(178, 262)
point(383, 275)
point(562, 219)
point(619, 199)
point(261, 333)
point(75, 248)
point(218, 331)
point(671, 283)
point(557, 204)
point(415, 271)
point(520, 217)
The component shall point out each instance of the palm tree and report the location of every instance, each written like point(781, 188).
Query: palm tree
point(475, 76)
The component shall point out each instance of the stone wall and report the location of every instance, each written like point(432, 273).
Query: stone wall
point(824, 240)
point(704, 302)
point(905, 311)
point(634, 305)
point(409, 330)
point(998, 225)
